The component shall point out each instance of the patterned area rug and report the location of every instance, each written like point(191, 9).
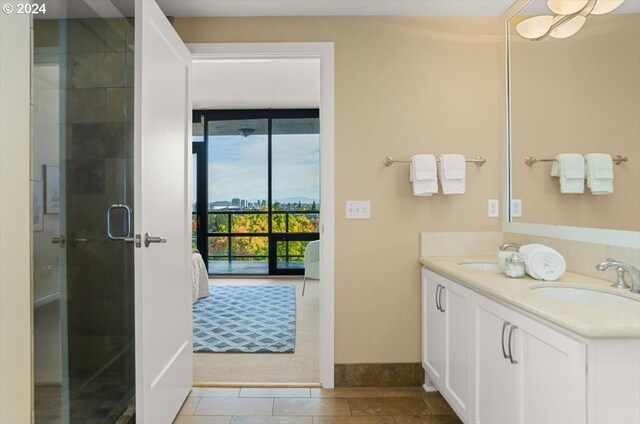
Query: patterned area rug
point(247, 319)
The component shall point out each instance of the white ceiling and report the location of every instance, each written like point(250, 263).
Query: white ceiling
point(539, 7)
point(256, 84)
point(188, 8)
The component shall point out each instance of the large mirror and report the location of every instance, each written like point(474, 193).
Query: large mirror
point(574, 92)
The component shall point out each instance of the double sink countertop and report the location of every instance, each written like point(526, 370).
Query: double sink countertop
point(589, 321)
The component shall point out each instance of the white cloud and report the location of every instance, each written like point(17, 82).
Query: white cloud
point(238, 167)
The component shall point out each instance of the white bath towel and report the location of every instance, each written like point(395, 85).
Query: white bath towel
point(452, 170)
point(423, 175)
point(569, 167)
point(543, 262)
point(599, 173)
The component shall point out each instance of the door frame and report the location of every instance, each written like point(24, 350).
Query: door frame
point(324, 53)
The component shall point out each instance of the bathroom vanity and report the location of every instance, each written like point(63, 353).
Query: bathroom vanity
point(502, 350)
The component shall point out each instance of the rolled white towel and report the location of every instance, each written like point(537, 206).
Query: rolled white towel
point(543, 262)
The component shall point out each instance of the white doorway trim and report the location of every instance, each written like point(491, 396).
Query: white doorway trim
point(202, 52)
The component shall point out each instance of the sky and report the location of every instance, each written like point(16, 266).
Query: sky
point(238, 167)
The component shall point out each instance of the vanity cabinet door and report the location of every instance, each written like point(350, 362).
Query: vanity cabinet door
point(447, 339)
point(551, 375)
point(494, 374)
point(432, 329)
point(457, 344)
point(525, 372)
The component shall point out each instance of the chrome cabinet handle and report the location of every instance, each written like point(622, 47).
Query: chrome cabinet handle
point(148, 239)
point(440, 300)
point(504, 327)
point(127, 234)
point(437, 291)
point(513, 361)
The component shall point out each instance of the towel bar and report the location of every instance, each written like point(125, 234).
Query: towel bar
point(478, 161)
point(530, 160)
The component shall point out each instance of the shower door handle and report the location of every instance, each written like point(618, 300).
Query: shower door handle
point(148, 239)
point(127, 234)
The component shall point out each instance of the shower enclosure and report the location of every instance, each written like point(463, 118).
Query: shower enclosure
point(82, 164)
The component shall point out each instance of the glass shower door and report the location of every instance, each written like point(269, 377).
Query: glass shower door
point(82, 164)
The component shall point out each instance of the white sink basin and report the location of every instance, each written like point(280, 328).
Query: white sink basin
point(481, 266)
point(585, 296)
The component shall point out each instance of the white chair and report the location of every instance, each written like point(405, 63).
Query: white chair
point(311, 262)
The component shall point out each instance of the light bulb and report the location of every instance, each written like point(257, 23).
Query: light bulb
point(535, 27)
point(566, 7)
point(605, 6)
point(568, 28)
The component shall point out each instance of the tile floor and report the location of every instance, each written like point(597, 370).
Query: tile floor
point(315, 406)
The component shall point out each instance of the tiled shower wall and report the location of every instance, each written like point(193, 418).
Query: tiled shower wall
point(95, 60)
point(99, 173)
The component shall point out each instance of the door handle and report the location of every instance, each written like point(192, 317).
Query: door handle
point(127, 234)
point(148, 239)
point(513, 361)
point(77, 239)
point(440, 299)
point(504, 327)
point(437, 297)
point(62, 241)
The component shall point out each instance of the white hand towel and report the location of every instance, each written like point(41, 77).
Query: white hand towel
point(452, 171)
point(569, 167)
point(599, 173)
point(543, 262)
point(423, 175)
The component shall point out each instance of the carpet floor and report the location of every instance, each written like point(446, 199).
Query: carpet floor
point(248, 319)
point(302, 366)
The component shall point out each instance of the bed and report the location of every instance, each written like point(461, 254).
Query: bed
point(199, 277)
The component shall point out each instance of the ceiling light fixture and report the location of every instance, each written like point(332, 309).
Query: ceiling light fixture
point(246, 132)
point(570, 17)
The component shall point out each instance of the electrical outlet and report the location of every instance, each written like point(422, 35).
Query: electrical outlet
point(516, 208)
point(493, 210)
point(358, 209)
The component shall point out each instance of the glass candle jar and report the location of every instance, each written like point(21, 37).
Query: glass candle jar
point(514, 266)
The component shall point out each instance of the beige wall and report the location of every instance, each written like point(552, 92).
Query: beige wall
point(15, 288)
point(402, 86)
point(578, 95)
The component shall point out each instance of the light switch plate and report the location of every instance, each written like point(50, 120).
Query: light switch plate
point(516, 208)
point(358, 209)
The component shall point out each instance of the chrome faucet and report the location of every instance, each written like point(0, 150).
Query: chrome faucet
point(509, 245)
point(621, 268)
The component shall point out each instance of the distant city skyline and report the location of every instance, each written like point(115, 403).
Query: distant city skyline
point(238, 168)
point(238, 203)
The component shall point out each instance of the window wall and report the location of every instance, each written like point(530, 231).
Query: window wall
point(257, 196)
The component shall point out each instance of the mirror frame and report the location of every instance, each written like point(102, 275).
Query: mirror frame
point(591, 235)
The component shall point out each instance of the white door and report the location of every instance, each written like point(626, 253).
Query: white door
point(161, 209)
